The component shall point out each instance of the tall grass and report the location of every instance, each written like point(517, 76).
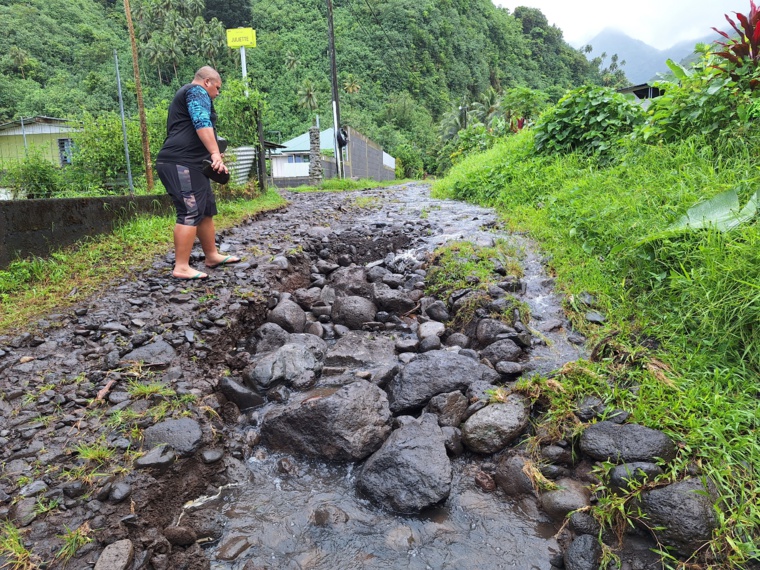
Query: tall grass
point(691, 302)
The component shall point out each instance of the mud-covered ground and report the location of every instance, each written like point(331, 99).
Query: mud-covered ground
point(84, 389)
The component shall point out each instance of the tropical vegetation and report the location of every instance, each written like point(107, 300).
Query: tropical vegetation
point(651, 216)
point(411, 75)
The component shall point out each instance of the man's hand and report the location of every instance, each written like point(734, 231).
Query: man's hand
point(217, 162)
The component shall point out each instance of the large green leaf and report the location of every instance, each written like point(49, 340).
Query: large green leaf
point(721, 212)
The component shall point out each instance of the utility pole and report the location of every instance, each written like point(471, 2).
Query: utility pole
point(140, 105)
point(335, 103)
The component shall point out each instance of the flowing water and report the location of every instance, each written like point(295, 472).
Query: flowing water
point(304, 514)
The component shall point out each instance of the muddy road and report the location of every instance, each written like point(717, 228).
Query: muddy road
point(248, 421)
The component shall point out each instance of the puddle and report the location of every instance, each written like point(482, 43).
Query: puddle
point(316, 520)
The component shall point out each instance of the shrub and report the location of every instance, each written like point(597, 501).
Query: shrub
point(589, 119)
point(408, 161)
point(33, 177)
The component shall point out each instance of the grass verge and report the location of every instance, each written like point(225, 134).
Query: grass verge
point(680, 348)
point(33, 287)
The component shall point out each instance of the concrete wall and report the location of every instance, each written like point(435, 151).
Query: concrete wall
point(364, 158)
point(39, 227)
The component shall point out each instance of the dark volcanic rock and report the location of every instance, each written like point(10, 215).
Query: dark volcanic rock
point(183, 435)
point(239, 394)
point(432, 373)
point(607, 441)
point(353, 311)
point(345, 424)
point(497, 425)
point(159, 353)
point(584, 553)
point(685, 512)
point(411, 470)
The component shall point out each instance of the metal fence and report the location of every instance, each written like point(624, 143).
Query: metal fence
point(50, 136)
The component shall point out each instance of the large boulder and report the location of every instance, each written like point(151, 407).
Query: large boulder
point(501, 350)
point(158, 353)
point(497, 425)
point(570, 495)
point(344, 424)
point(432, 373)
point(268, 338)
point(583, 554)
point(292, 365)
point(350, 281)
point(361, 349)
point(392, 300)
point(683, 512)
point(411, 470)
point(183, 435)
point(607, 441)
point(512, 475)
point(353, 311)
point(289, 315)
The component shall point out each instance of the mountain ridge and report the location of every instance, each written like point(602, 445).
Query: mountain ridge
point(642, 61)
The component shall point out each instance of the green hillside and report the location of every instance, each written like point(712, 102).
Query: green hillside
point(402, 64)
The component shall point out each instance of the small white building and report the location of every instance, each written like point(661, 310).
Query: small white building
point(292, 161)
point(362, 157)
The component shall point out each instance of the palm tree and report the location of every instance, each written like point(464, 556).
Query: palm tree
point(192, 8)
point(350, 85)
point(154, 52)
point(19, 58)
point(174, 53)
point(487, 107)
point(307, 95)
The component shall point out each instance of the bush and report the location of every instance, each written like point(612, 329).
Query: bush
point(33, 177)
point(704, 101)
point(408, 161)
point(589, 119)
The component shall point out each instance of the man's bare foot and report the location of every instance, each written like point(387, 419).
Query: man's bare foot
point(219, 260)
point(189, 274)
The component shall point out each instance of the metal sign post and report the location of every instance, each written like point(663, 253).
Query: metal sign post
point(242, 38)
point(123, 125)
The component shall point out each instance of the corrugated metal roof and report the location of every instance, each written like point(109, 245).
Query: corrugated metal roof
point(36, 120)
point(301, 143)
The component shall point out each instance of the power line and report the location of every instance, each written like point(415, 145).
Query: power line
point(390, 43)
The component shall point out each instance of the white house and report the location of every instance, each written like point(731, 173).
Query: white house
point(362, 158)
point(292, 161)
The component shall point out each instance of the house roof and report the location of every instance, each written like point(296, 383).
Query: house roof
point(301, 143)
point(642, 91)
point(37, 119)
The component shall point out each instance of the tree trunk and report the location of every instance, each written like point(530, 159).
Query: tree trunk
point(140, 105)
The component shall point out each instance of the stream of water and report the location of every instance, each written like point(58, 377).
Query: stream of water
point(310, 516)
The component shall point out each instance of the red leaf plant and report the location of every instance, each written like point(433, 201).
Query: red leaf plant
point(743, 49)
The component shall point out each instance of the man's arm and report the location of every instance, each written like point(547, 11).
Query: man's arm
point(199, 106)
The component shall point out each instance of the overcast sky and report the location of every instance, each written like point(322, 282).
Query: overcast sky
point(659, 23)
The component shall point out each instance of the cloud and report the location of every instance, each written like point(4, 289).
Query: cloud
point(659, 23)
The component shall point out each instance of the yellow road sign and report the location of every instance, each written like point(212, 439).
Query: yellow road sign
point(241, 37)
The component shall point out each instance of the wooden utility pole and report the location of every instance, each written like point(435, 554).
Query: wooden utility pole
point(335, 102)
point(262, 164)
point(140, 105)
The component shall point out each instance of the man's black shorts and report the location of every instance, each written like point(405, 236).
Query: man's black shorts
point(190, 191)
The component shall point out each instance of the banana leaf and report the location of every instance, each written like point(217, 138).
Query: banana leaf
point(723, 213)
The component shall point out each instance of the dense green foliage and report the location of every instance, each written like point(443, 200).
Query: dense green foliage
point(404, 67)
point(589, 119)
point(680, 347)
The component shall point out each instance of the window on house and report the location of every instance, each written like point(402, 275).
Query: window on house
point(64, 151)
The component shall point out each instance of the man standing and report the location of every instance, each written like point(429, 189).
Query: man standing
point(191, 139)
